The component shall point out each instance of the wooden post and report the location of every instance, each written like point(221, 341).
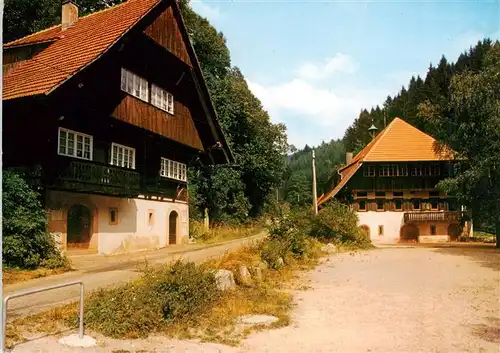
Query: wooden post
point(315, 199)
point(206, 221)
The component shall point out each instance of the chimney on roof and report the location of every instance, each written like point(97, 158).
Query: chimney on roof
point(348, 157)
point(69, 14)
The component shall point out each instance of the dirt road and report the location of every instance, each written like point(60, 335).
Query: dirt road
point(396, 300)
point(386, 300)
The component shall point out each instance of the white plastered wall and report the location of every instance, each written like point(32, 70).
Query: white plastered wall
point(133, 231)
point(392, 222)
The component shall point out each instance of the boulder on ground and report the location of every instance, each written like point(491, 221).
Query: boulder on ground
point(257, 273)
point(329, 248)
point(225, 279)
point(245, 275)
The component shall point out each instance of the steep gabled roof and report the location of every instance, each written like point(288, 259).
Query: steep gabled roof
point(72, 49)
point(398, 142)
point(77, 47)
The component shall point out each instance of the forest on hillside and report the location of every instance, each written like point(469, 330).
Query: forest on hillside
point(433, 89)
point(456, 102)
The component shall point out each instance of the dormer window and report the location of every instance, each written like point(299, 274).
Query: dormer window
point(134, 85)
point(162, 99)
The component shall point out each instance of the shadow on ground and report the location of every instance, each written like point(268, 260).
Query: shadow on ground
point(489, 332)
point(485, 255)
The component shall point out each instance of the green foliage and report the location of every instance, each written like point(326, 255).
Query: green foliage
point(337, 222)
point(272, 251)
point(184, 290)
point(297, 186)
point(126, 311)
point(472, 130)
point(435, 88)
point(181, 291)
point(234, 193)
point(26, 241)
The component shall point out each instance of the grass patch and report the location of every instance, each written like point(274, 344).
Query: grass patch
point(15, 275)
point(196, 308)
point(223, 232)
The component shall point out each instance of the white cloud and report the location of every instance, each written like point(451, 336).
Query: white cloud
point(205, 10)
point(312, 113)
point(339, 63)
point(326, 106)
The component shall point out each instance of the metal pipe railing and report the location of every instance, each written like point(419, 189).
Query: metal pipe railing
point(38, 290)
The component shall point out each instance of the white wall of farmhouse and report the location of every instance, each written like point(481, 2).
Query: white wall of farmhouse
point(138, 224)
point(391, 222)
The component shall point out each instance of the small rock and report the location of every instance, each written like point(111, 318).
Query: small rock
point(257, 272)
point(258, 319)
point(329, 248)
point(225, 279)
point(245, 275)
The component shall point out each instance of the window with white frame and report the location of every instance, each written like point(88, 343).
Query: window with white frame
point(172, 169)
point(135, 85)
point(122, 156)
point(74, 144)
point(162, 99)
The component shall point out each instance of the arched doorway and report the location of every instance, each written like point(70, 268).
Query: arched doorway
point(79, 227)
point(409, 233)
point(172, 227)
point(365, 230)
point(454, 231)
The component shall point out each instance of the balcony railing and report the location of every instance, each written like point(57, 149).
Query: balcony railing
point(446, 216)
point(92, 177)
point(169, 188)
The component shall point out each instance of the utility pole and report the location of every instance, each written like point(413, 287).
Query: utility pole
point(315, 199)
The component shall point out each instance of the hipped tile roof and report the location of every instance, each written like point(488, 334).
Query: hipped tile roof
point(72, 49)
point(398, 142)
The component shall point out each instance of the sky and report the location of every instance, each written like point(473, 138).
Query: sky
point(315, 65)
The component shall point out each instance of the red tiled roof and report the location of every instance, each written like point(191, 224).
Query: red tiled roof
point(398, 142)
point(72, 49)
point(346, 175)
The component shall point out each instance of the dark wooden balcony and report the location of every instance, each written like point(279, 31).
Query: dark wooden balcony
point(433, 216)
point(172, 189)
point(91, 177)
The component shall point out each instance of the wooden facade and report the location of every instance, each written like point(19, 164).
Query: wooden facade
point(165, 31)
point(92, 103)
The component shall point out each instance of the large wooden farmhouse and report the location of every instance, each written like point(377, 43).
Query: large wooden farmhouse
point(391, 184)
point(104, 113)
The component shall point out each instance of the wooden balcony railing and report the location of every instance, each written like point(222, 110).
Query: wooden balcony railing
point(169, 188)
point(98, 178)
point(446, 216)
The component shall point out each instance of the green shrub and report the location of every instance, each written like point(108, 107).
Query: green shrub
point(181, 291)
point(130, 310)
point(184, 290)
point(272, 250)
point(26, 241)
point(288, 234)
point(336, 222)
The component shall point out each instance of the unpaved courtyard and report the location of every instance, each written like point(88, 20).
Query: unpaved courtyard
point(412, 299)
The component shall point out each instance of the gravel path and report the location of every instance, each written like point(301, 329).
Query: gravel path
point(428, 300)
point(396, 300)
